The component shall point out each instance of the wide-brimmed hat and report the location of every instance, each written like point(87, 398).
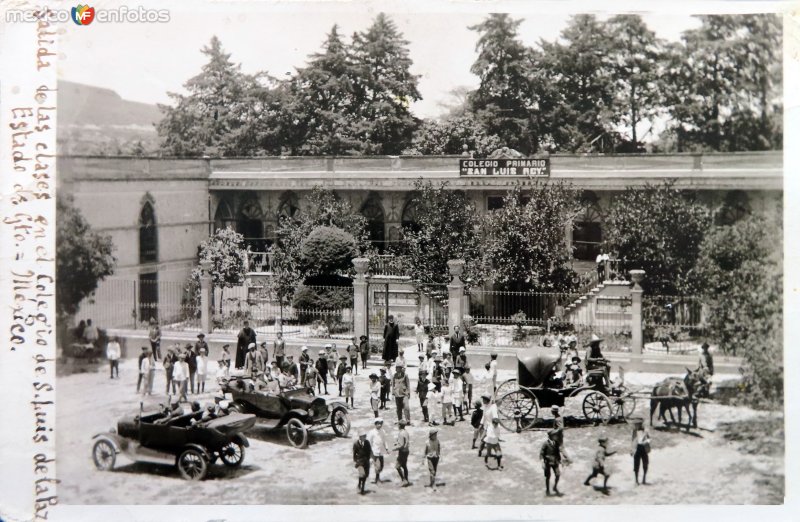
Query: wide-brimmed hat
point(304, 348)
point(373, 376)
point(462, 350)
point(363, 337)
point(602, 439)
point(328, 346)
point(433, 431)
point(378, 420)
point(201, 335)
point(251, 345)
point(456, 371)
point(322, 352)
point(595, 339)
point(486, 397)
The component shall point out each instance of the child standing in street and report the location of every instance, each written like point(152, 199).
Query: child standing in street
point(458, 395)
point(492, 439)
point(385, 387)
point(363, 347)
point(374, 393)
point(430, 403)
point(352, 353)
point(477, 423)
point(349, 387)
point(322, 372)
point(310, 377)
point(202, 370)
point(447, 402)
point(433, 452)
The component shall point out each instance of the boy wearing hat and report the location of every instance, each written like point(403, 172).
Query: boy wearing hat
point(477, 423)
point(226, 357)
point(352, 353)
point(447, 402)
point(374, 393)
point(202, 368)
point(433, 452)
point(264, 356)
point(385, 387)
point(349, 387)
point(305, 361)
point(550, 454)
point(422, 392)
point(599, 465)
point(437, 373)
point(458, 395)
point(363, 348)
point(340, 371)
point(377, 441)
point(279, 349)
point(401, 358)
point(322, 372)
point(310, 377)
point(403, 446)
point(431, 398)
point(332, 356)
point(362, 452)
point(558, 428)
point(489, 414)
point(401, 386)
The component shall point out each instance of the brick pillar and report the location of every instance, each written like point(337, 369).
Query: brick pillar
point(637, 342)
point(455, 294)
point(205, 297)
point(360, 324)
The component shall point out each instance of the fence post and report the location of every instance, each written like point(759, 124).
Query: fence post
point(636, 312)
point(205, 297)
point(455, 294)
point(360, 318)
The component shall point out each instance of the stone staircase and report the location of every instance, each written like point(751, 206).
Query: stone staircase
point(605, 308)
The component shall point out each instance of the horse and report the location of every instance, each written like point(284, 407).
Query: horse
point(674, 392)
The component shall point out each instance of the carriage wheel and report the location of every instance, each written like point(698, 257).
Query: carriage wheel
point(518, 410)
point(506, 387)
point(624, 406)
point(597, 407)
point(297, 433)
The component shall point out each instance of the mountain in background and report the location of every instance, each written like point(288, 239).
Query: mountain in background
point(97, 121)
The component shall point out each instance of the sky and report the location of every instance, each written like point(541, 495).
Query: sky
point(144, 61)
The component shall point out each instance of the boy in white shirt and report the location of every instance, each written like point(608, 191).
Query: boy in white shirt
point(112, 354)
point(458, 395)
point(202, 370)
point(492, 439)
point(377, 441)
point(431, 403)
point(349, 387)
point(447, 402)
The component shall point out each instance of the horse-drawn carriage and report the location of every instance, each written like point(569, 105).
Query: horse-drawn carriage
point(538, 386)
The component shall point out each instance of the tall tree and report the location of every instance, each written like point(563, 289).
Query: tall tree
point(385, 88)
point(525, 243)
point(659, 229)
point(447, 227)
point(83, 257)
point(634, 57)
point(324, 101)
point(740, 266)
point(580, 117)
point(227, 255)
point(505, 99)
point(217, 115)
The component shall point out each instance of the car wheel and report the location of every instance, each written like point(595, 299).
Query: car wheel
point(104, 455)
point(340, 422)
point(297, 433)
point(232, 454)
point(192, 464)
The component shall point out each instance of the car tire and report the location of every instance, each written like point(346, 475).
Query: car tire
point(192, 464)
point(232, 454)
point(104, 455)
point(297, 433)
point(340, 422)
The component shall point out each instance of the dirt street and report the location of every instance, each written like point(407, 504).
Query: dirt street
point(702, 466)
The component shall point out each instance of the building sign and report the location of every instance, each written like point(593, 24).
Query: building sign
point(528, 167)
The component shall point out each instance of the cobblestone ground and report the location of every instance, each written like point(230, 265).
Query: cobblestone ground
point(701, 466)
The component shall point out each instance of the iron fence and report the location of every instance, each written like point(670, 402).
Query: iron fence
point(673, 324)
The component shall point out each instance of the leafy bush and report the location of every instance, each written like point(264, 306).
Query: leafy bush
point(327, 250)
point(323, 298)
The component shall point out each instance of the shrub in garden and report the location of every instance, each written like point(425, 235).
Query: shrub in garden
point(327, 250)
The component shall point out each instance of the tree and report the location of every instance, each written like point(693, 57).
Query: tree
point(447, 227)
point(504, 101)
point(450, 136)
point(324, 102)
point(385, 88)
point(327, 250)
point(725, 84)
point(634, 59)
point(740, 267)
point(581, 115)
point(227, 255)
point(83, 258)
point(525, 243)
point(223, 114)
point(659, 229)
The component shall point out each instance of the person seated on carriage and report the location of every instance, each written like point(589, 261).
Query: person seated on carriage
point(573, 373)
point(553, 379)
point(596, 364)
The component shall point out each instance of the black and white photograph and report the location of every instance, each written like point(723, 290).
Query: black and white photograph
point(362, 253)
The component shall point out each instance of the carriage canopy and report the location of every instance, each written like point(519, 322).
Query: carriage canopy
point(533, 370)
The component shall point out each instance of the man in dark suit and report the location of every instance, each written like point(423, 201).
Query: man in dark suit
point(246, 336)
point(457, 340)
point(391, 334)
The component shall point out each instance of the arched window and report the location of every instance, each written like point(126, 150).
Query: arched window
point(250, 224)
point(372, 209)
point(587, 232)
point(735, 207)
point(223, 217)
point(148, 234)
point(288, 206)
point(409, 218)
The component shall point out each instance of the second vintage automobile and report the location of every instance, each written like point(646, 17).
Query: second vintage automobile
point(295, 409)
point(190, 441)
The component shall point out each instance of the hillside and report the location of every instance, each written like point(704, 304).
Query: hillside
point(95, 120)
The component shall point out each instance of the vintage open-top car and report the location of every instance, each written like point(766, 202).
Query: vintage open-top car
point(188, 441)
point(294, 409)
